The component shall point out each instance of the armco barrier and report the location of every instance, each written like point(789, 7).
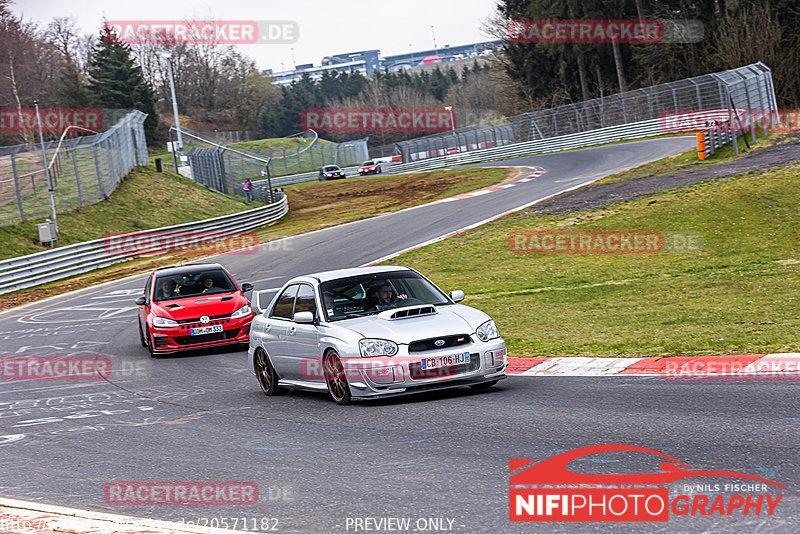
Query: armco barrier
point(611, 134)
point(42, 267)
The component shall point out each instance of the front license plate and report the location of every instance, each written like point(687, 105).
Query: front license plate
point(445, 361)
point(200, 330)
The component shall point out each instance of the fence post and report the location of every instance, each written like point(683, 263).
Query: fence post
point(77, 178)
point(99, 178)
point(16, 186)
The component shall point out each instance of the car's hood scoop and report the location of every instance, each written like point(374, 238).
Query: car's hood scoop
point(411, 311)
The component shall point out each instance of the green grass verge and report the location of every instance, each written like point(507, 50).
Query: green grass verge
point(145, 199)
point(738, 296)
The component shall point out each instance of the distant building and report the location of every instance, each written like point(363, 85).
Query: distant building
point(368, 61)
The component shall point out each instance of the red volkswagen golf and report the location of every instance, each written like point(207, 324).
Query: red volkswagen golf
point(191, 307)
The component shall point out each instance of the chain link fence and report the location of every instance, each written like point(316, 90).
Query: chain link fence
point(745, 88)
point(226, 168)
point(83, 170)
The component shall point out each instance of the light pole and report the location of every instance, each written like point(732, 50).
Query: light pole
point(435, 48)
point(47, 174)
point(168, 55)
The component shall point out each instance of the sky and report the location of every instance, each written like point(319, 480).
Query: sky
point(326, 27)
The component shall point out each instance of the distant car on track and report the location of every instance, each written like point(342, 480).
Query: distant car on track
point(369, 167)
point(193, 306)
point(372, 332)
point(331, 172)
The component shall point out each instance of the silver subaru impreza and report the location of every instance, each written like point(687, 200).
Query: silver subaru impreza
point(372, 332)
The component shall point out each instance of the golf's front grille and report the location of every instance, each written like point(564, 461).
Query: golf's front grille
point(445, 341)
point(212, 318)
point(417, 373)
point(207, 338)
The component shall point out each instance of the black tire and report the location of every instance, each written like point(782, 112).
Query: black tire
point(150, 343)
point(485, 385)
point(267, 377)
point(141, 335)
point(336, 379)
point(379, 170)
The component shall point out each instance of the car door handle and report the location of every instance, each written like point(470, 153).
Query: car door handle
point(267, 327)
point(292, 330)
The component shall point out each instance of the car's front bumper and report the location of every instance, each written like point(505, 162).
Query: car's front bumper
point(174, 339)
point(401, 374)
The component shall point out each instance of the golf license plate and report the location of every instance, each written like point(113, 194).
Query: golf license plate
point(444, 361)
point(200, 330)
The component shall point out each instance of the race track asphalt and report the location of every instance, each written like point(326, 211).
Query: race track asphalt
point(202, 417)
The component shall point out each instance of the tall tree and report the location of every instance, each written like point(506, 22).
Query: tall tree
point(116, 82)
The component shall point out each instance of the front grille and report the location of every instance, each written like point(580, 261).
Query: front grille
point(210, 317)
point(430, 344)
point(206, 338)
point(417, 373)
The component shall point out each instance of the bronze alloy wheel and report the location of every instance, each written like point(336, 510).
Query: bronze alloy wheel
point(267, 378)
point(336, 379)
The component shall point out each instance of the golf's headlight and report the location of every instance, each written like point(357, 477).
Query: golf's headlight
point(163, 322)
point(244, 311)
point(487, 331)
point(377, 347)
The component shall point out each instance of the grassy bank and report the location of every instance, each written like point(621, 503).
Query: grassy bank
point(145, 199)
point(738, 295)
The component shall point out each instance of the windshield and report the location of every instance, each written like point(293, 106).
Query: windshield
point(358, 296)
point(367, 163)
point(331, 168)
point(200, 283)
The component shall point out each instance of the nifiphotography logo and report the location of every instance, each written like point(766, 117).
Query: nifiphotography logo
point(549, 491)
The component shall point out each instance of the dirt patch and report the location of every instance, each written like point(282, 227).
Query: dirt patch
point(597, 196)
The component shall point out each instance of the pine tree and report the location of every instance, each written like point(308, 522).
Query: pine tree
point(72, 93)
point(116, 82)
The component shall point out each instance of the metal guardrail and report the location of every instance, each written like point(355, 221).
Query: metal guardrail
point(42, 267)
point(611, 134)
point(599, 136)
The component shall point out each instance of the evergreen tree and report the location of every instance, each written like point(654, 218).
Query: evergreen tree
point(116, 82)
point(72, 93)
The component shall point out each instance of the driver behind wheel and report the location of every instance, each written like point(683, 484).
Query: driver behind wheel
point(383, 296)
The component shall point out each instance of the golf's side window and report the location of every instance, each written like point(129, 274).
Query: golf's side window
point(305, 300)
point(284, 307)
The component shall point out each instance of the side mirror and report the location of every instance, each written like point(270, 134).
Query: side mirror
point(457, 295)
point(141, 301)
point(247, 287)
point(305, 317)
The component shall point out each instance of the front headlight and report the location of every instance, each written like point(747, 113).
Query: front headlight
point(487, 331)
point(244, 311)
point(377, 347)
point(163, 322)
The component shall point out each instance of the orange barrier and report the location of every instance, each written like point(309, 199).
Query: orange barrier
point(701, 146)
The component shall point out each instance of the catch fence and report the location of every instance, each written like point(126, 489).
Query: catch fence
point(746, 88)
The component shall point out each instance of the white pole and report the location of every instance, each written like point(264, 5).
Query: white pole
point(46, 172)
